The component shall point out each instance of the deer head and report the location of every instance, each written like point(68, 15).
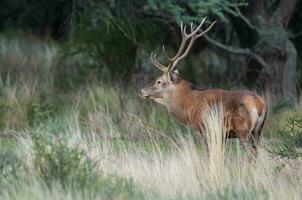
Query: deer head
point(164, 85)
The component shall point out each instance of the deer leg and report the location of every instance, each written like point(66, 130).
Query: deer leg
point(256, 133)
point(254, 141)
point(244, 135)
point(250, 145)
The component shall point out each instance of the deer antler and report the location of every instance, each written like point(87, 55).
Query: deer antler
point(157, 64)
point(193, 35)
point(181, 53)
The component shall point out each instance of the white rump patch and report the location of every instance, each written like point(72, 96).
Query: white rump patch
point(254, 118)
point(260, 120)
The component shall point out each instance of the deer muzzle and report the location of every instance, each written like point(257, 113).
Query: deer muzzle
point(143, 94)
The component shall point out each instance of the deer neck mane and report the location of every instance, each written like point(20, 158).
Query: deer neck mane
point(182, 101)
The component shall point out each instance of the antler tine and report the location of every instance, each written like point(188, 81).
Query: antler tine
point(185, 37)
point(193, 38)
point(204, 32)
point(180, 54)
point(182, 28)
point(164, 51)
point(156, 63)
point(172, 67)
point(183, 42)
point(196, 30)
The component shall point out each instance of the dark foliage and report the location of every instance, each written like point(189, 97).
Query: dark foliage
point(38, 16)
point(108, 34)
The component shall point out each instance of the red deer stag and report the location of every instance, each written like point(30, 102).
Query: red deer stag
point(244, 112)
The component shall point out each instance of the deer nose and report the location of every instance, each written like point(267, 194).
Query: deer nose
point(142, 94)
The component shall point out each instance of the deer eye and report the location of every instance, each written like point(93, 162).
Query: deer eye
point(158, 82)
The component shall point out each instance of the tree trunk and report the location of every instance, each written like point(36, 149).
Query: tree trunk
point(273, 82)
point(289, 74)
point(273, 51)
point(280, 82)
point(278, 51)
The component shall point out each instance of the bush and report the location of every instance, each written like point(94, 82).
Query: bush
point(290, 139)
point(22, 106)
point(10, 167)
point(41, 108)
point(55, 160)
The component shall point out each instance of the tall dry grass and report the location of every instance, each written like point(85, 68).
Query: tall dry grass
point(188, 172)
point(215, 135)
point(184, 171)
point(28, 61)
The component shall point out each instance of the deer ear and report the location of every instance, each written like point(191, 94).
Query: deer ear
point(173, 76)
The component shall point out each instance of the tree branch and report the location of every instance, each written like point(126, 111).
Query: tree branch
point(240, 51)
point(246, 20)
point(260, 11)
point(283, 13)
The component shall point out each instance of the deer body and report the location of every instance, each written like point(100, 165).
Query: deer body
point(244, 112)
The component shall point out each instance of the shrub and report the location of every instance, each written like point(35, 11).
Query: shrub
point(290, 139)
point(41, 108)
point(10, 167)
point(55, 160)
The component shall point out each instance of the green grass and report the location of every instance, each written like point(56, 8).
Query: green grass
point(100, 141)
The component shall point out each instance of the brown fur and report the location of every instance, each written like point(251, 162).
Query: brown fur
point(187, 106)
point(244, 111)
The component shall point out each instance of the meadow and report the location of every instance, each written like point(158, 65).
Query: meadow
point(100, 141)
